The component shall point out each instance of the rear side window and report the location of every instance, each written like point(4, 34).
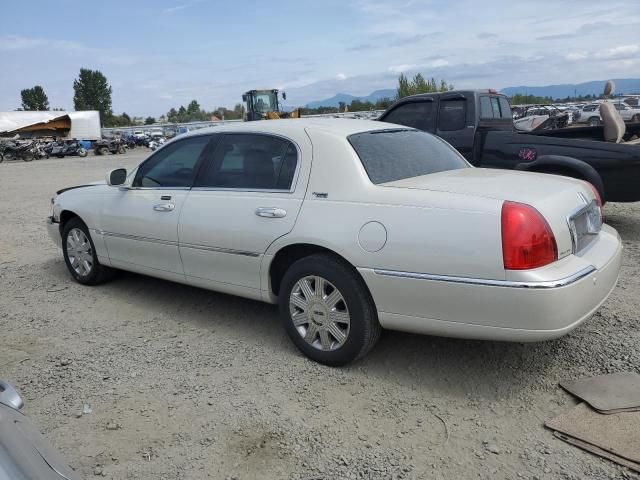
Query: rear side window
point(494, 108)
point(416, 115)
point(251, 161)
point(453, 115)
point(389, 155)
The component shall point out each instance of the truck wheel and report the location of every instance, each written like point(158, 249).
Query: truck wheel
point(594, 122)
point(327, 310)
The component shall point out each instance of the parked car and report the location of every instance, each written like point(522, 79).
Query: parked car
point(479, 124)
point(138, 134)
point(628, 113)
point(349, 226)
point(24, 453)
point(590, 114)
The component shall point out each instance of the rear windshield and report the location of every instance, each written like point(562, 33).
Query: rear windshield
point(390, 155)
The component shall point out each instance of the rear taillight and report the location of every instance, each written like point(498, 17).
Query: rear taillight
point(527, 239)
point(596, 194)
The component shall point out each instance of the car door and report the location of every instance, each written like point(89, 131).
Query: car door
point(455, 125)
point(140, 222)
point(248, 195)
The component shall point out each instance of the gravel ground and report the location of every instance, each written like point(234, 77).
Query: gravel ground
point(143, 378)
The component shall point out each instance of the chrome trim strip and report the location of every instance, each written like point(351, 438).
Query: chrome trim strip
point(177, 244)
point(219, 250)
point(562, 282)
point(135, 237)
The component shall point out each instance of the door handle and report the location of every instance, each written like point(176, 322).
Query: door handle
point(271, 212)
point(164, 207)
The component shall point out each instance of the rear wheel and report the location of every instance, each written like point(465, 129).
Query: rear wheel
point(80, 254)
point(327, 310)
point(594, 122)
point(121, 150)
point(82, 152)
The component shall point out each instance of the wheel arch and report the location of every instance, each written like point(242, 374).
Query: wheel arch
point(565, 166)
point(288, 254)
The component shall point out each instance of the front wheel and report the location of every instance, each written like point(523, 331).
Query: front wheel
point(80, 254)
point(327, 310)
point(594, 122)
point(82, 152)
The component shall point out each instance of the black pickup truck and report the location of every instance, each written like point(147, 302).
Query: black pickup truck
point(479, 124)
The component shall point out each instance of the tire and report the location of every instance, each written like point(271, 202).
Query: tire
point(595, 122)
point(635, 119)
point(59, 156)
point(355, 309)
point(82, 152)
point(121, 150)
point(76, 234)
point(27, 157)
point(1, 158)
point(103, 151)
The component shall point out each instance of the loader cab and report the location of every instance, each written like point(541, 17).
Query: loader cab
point(260, 103)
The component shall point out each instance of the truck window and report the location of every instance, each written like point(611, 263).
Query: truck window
point(453, 115)
point(494, 107)
point(505, 108)
point(415, 114)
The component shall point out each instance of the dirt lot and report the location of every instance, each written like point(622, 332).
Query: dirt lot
point(184, 383)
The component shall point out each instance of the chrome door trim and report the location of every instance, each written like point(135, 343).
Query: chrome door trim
point(487, 282)
point(230, 251)
point(178, 244)
point(138, 238)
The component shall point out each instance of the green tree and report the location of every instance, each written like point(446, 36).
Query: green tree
point(172, 115)
point(150, 120)
point(418, 84)
point(193, 109)
point(93, 92)
point(34, 99)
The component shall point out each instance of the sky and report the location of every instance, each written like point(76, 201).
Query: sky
point(164, 53)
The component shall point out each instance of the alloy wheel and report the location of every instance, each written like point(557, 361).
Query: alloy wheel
point(319, 313)
point(79, 252)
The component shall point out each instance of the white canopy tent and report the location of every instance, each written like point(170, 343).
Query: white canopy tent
point(76, 125)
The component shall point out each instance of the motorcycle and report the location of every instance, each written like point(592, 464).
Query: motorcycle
point(62, 149)
point(17, 150)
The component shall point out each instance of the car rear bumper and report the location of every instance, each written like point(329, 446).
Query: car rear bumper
point(53, 229)
point(543, 307)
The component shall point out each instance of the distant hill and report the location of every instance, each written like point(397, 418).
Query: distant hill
point(347, 99)
point(623, 86)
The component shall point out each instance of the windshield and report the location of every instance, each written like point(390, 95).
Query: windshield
point(265, 102)
point(390, 155)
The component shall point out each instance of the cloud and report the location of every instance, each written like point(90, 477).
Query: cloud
point(402, 68)
point(619, 52)
point(577, 56)
point(362, 47)
point(341, 76)
point(177, 8)
point(17, 42)
point(486, 35)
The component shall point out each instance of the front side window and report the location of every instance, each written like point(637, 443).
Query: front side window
point(174, 165)
point(390, 155)
point(453, 115)
point(415, 114)
point(251, 161)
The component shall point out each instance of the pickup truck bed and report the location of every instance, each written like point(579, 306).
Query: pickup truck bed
point(479, 124)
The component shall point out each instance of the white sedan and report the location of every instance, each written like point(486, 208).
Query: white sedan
point(349, 226)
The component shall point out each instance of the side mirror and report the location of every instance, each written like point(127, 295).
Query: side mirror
point(9, 396)
point(244, 97)
point(117, 177)
point(284, 95)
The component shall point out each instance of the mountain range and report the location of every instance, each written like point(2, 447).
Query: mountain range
point(347, 99)
point(623, 86)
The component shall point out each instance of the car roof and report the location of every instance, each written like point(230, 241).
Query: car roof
point(338, 126)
